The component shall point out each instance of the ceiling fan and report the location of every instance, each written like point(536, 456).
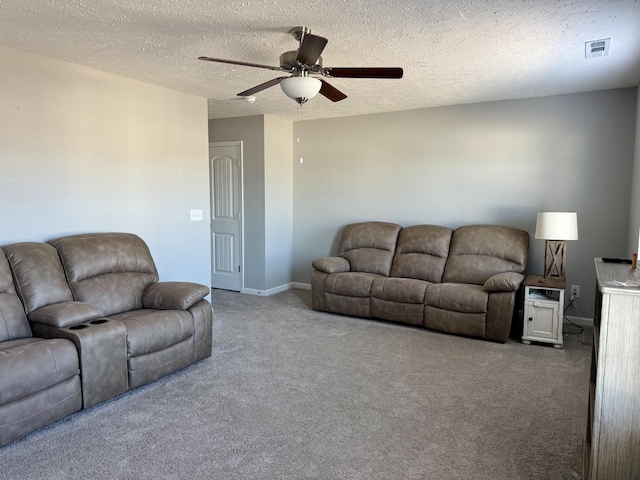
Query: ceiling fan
point(303, 64)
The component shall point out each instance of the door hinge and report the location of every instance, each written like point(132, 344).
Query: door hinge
point(238, 268)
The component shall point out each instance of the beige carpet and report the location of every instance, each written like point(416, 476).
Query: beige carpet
point(290, 393)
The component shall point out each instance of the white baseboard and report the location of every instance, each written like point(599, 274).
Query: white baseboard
point(582, 321)
point(301, 286)
point(266, 293)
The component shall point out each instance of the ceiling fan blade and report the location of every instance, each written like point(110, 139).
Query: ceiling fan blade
point(310, 49)
point(234, 62)
point(331, 92)
point(262, 86)
point(355, 72)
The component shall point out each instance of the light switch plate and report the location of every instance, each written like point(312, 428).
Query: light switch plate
point(196, 215)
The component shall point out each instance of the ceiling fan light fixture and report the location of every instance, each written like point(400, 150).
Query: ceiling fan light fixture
point(300, 88)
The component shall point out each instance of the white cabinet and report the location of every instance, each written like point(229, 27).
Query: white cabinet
point(543, 308)
point(612, 443)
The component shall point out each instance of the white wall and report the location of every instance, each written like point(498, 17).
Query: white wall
point(86, 151)
point(498, 162)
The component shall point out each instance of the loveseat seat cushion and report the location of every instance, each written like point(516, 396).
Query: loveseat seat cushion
point(29, 365)
point(478, 252)
point(152, 330)
point(421, 252)
point(369, 246)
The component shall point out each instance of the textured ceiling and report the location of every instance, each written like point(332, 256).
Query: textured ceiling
point(452, 52)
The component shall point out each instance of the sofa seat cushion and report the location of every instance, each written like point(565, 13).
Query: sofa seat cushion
point(457, 297)
point(402, 290)
point(351, 284)
point(29, 365)
point(398, 299)
point(150, 331)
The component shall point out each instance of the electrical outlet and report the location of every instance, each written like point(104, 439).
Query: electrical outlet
point(575, 291)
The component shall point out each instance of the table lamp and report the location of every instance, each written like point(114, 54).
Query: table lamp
point(556, 228)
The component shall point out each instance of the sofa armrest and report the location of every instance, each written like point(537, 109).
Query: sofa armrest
point(65, 314)
point(331, 264)
point(173, 295)
point(504, 282)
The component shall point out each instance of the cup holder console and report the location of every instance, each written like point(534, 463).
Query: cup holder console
point(78, 327)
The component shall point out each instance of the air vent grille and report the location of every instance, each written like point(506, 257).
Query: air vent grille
point(597, 48)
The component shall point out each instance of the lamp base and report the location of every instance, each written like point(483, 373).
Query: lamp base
point(555, 255)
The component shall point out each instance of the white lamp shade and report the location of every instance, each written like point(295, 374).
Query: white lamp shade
point(557, 226)
point(300, 89)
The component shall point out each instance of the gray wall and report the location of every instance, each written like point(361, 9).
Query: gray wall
point(278, 202)
point(498, 162)
point(268, 195)
point(250, 130)
point(634, 220)
point(83, 151)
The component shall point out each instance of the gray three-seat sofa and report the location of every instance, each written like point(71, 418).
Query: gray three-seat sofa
point(461, 281)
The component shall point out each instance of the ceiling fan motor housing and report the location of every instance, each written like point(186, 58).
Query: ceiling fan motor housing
point(289, 62)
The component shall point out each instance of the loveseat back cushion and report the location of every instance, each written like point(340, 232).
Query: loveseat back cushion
point(369, 246)
point(478, 252)
point(13, 322)
point(108, 270)
point(421, 252)
point(38, 274)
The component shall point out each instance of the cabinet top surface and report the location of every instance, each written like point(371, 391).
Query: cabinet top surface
point(538, 281)
point(617, 278)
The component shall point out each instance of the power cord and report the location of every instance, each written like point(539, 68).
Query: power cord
point(565, 331)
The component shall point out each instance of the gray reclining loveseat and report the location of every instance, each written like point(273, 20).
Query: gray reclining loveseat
point(100, 292)
point(461, 281)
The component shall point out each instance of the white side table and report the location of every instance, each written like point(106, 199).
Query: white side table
point(543, 310)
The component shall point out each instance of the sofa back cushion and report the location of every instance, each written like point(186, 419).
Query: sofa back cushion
point(13, 322)
point(421, 252)
point(369, 246)
point(478, 252)
point(108, 270)
point(38, 274)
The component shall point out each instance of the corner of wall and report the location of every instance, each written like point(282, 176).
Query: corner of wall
point(634, 210)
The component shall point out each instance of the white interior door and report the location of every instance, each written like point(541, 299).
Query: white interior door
point(225, 162)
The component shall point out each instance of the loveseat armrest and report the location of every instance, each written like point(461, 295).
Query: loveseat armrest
point(331, 264)
point(503, 282)
point(173, 295)
point(65, 314)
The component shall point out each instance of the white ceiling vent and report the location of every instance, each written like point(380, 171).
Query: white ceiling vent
point(597, 48)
